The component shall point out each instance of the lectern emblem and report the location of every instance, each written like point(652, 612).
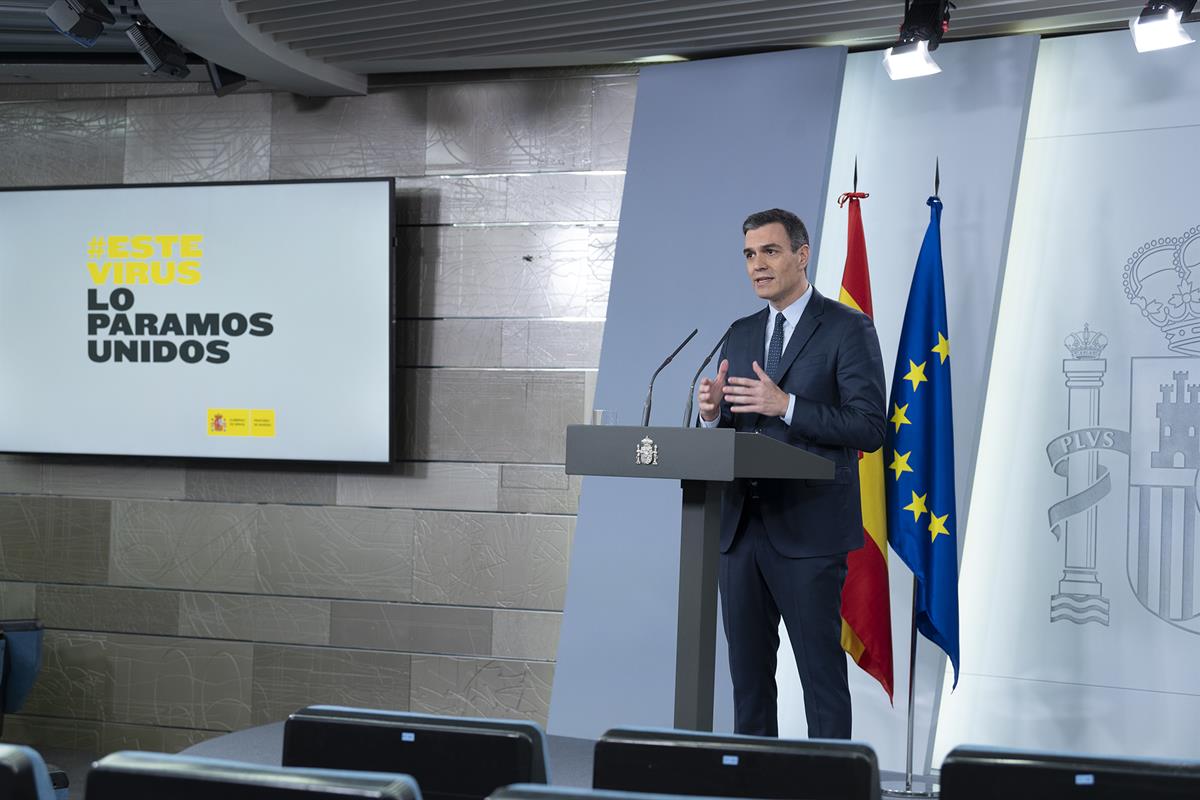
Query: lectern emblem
point(646, 453)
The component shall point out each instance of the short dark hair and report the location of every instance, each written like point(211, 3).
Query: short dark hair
point(797, 233)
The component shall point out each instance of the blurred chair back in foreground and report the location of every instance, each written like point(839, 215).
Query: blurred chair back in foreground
point(156, 776)
point(536, 791)
point(984, 773)
point(451, 758)
point(23, 774)
point(723, 765)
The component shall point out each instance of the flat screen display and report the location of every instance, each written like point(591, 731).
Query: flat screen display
point(241, 321)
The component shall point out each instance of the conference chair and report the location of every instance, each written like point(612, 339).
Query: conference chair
point(984, 773)
point(20, 661)
point(707, 764)
point(131, 775)
point(23, 774)
point(451, 758)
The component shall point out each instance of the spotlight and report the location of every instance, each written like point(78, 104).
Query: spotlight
point(160, 52)
point(224, 81)
point(1160, 25)
point(81, 21)
point(925, 21)
point(909, 61)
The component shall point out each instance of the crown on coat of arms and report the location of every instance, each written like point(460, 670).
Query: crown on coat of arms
point(1086, 343)
point(1158, 280)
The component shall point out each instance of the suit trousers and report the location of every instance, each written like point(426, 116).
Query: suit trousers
point(757, 586)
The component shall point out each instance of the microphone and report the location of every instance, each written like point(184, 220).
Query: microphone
point(687, 413)
point(650, 391)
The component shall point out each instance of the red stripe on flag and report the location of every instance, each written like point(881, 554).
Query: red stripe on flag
point(870, 619)
point(856, 278)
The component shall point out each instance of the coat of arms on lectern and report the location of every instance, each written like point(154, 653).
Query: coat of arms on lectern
point(646, 453)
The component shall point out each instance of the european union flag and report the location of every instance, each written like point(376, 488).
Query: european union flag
point(920, 446)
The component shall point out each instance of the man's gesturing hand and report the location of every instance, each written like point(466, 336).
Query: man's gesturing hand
point(711, 392)
point(750, 396)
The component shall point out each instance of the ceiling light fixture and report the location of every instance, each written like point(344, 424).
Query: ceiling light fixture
point(160, 52)
point(1160, 25)
point(81, 21)
point(224, 80)
point(925, 22)
point(663, 59)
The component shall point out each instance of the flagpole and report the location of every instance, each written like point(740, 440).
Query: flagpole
point(907, 791)
point(912, 694)
point(930, 783)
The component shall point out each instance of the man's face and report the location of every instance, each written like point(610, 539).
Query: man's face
point(778, 274)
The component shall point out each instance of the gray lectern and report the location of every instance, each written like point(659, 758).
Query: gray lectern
point(701, 459)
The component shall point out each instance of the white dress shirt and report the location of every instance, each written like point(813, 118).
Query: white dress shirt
point(791, 316)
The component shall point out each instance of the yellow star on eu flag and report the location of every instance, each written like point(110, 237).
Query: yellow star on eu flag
point(898, 417)
point(937, 526)
point(916, 374)
point(942, 348)
point(917, 506)
point(900, 463)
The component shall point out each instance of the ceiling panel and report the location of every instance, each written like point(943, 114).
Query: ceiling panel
point(367, 37)
point(381, 36)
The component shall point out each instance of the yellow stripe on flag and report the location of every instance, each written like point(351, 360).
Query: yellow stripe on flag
point(845, 299)
point(851, 643)
point(874, 510)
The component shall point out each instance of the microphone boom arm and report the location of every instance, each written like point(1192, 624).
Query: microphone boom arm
point(650, 391)
point(687, 412)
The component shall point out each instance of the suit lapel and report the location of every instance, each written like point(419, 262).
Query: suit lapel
point(810, 320)
point(758, 339)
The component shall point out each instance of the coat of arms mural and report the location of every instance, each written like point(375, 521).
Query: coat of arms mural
point(1162, 443)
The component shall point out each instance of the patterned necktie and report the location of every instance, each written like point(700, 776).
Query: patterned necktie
point(775, 351)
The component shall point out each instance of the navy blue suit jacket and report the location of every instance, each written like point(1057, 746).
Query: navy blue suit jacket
point(833, 366)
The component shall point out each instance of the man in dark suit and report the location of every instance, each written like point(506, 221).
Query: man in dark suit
point(807, 371)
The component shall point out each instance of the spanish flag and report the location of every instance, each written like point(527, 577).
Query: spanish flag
point(866, 604)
